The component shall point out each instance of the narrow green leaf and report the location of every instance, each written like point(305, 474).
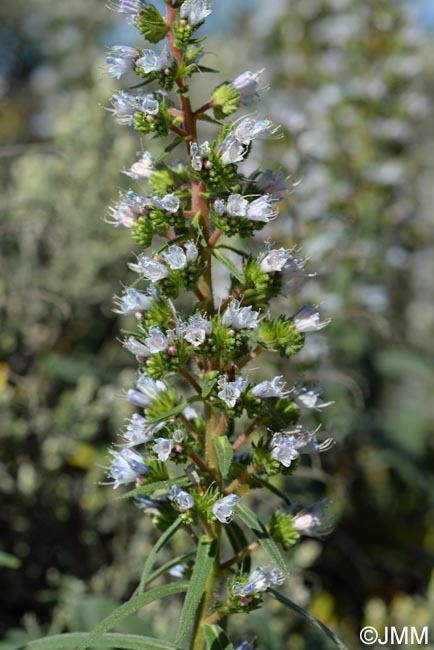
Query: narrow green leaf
point(262, 535)
point(9, 561)
point(225, 454)
point(238, 542)
point(169, 565)
point(209, 382)
point(120, 641)
point(157, 485)
point(206, 552)
point(204, 68)
point(309, 617)
point(207, 118)
point(170, 147)
point(129, 608)
point(162, 541)
point(269, 486)
point(228, 263)
point(168, 415)
point(216, 638)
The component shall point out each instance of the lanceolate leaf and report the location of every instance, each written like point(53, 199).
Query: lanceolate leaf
point(119, 641)
point(169, 565)
point(229, 264)
point(225, 454)
point(216, 638)
point(206, 551)
point(238, 542)
point(310, 617)
point(158, 485)
point(164, 538)
point(262, 535)
point(129, 608)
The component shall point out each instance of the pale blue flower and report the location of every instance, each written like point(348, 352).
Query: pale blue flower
point(136, 347)
point(163, 448)
point(175, 257)
point(231, 390)
point(182, 499)
point(223, 509)
point(139, 431)
point(310, 398)
point(157, 341)
point(237, 206)
point(133, 301)
point(149, 268)
point(248, 85)
point(127, 466)
point(258, 581)
point(288, 445)
point(274, 260)
point(195, 11)
point(120, 60)
point(308, 319)
point(239, 317)
point(130, 8)
point(142, 168)
point(315, 520)
point(248, 130)
point(231, 150)
point(197, 330)
point(273, 388)
point(261, 209)
point(150, 61)
point(125, 106)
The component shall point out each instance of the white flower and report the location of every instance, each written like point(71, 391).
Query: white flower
point(127, 466)
point(273, 388)
point(274, 260)
point(182, 499)
point(139, 431)
point(169, 203)
point(142, 168)
point(178, 435)
point(239, 317)
point(261, 209)
point(309, 398)
point(148, 390)
point(191, 252)
point(288, 445)
point(156, 341)
point(195, 157)
point(133, 301)
point(150, 105)
point(231, 150)
point(195, 11)
point(150, 269)
point(223, 509)
point(271, 182)
point(133, 345)
point(258, 581)
point(248, 130)
point(150, 61)
point(197, 330)
point(219, 207)
point(308, 319)
point(314, 520)
point(163, 448)
point(231, 390)
point(125, 105)
point(128, 7)
point(248, 85)
point(120, 60)
point(175, 257)
point(237, 206)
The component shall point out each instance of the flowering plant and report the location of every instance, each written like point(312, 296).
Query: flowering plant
point(206, 435)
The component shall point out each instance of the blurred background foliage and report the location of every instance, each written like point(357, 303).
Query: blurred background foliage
point(353, 88)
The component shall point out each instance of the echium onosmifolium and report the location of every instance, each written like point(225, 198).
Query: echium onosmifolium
point(198, 403)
